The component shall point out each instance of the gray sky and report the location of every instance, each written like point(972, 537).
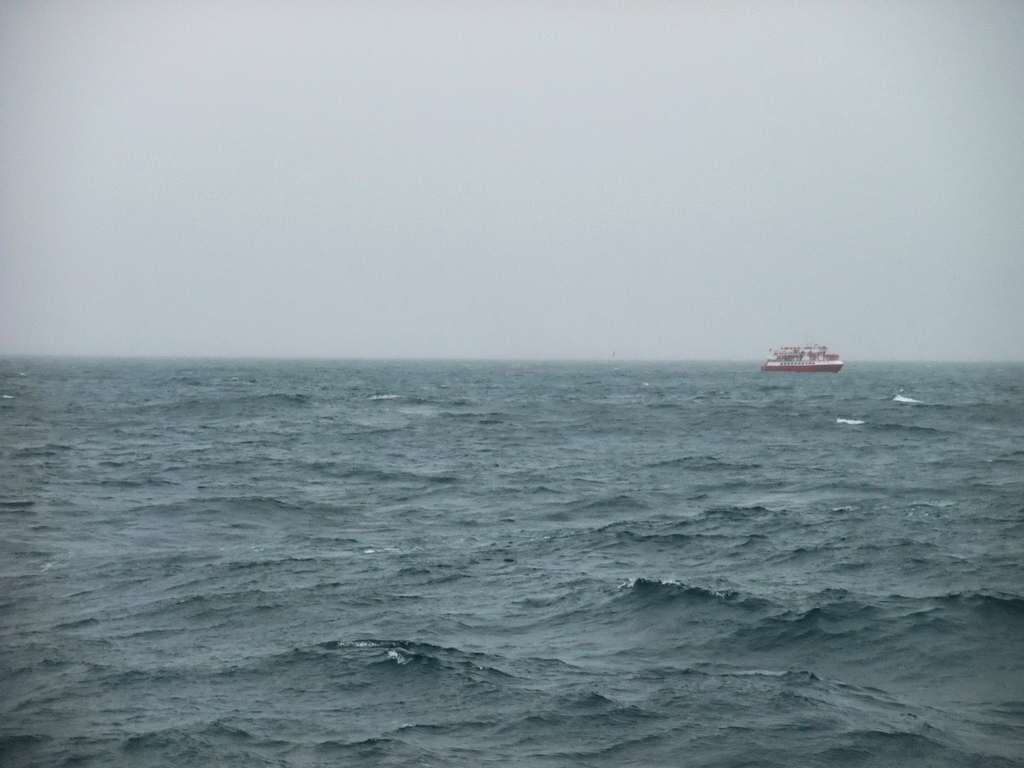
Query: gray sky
point(678, 180)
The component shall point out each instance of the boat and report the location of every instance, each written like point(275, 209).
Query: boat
point(814, 358)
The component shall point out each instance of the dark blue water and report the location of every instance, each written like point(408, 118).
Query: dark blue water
point(470, 564)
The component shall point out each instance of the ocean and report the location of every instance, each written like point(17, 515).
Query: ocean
point(360, 563)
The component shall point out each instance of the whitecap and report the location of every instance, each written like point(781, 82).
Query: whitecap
point(631, 583)
point(902, 399)
point(848, 421)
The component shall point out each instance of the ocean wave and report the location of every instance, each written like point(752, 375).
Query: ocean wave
point(614, 502)
point(835, 621)
point(31, 749)
point(17, 505)
point(618, 534)
point(392, 751)
point(47, 450)
point(407, 646)
point(900, 747)
point(216, 743)
point(837, 618)
point(690, 535)
point(371, 474)
point(225, 405)
point(753, 511)
point(706, 462)
point(903, 399)
point(391, 657)
point(665, 592)
point(217, 505)
point(918, 428)
point(997, 602)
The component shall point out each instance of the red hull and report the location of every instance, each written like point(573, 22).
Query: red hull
point(803, 368)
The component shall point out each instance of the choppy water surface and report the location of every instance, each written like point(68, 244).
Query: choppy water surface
point(470, 564)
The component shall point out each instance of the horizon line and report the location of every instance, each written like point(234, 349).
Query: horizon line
point(450, 359)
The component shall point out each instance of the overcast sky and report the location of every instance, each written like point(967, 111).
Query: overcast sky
point(671, 180)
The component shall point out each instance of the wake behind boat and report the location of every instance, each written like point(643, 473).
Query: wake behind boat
point(810, 359)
